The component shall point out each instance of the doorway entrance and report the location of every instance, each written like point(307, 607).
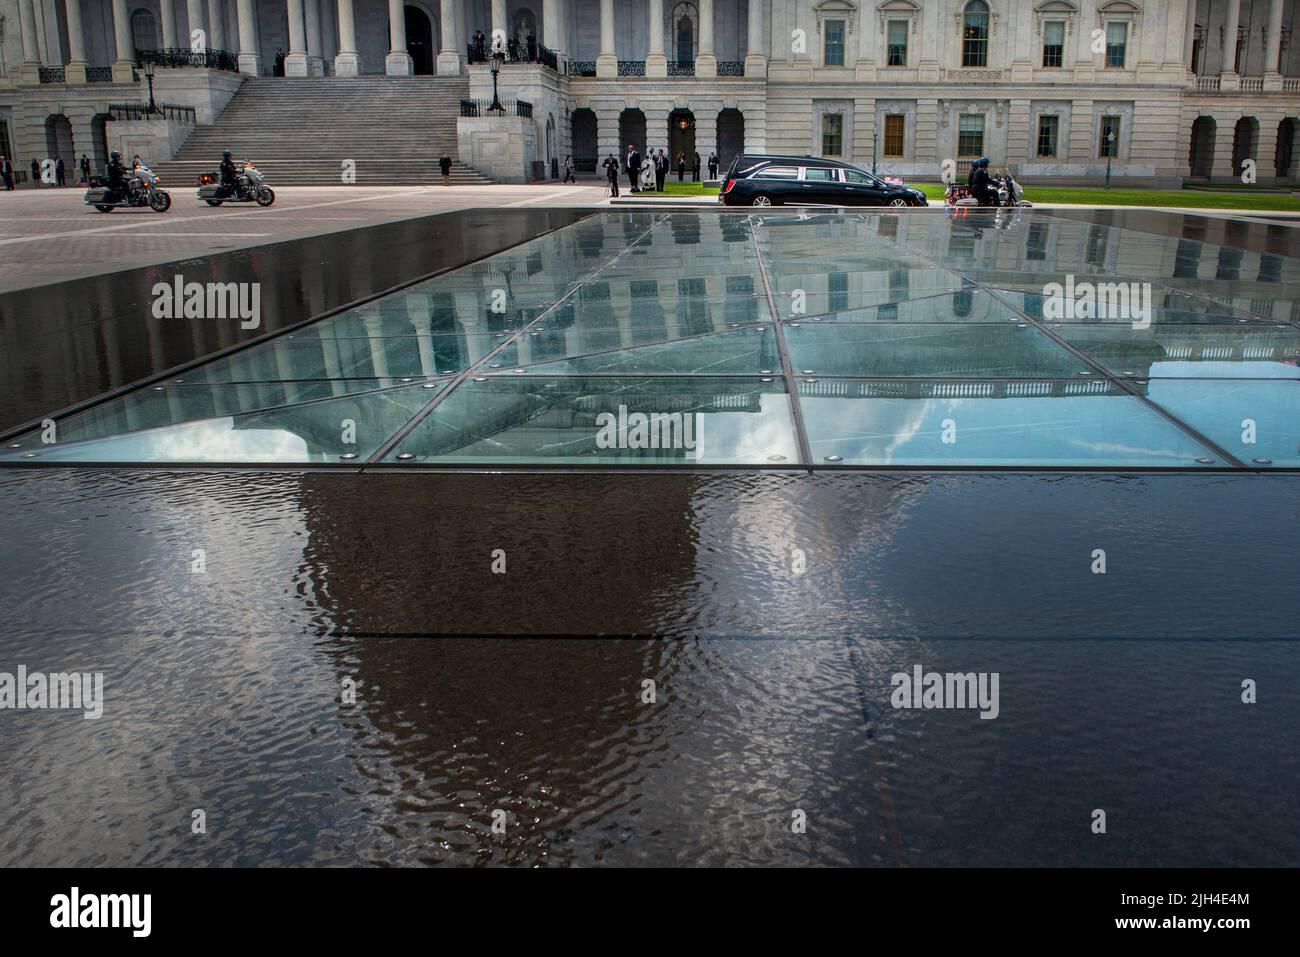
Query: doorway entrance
point(681, 139)
point(419, 41)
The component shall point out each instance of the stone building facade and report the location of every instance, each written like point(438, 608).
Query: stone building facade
point(1156, 91)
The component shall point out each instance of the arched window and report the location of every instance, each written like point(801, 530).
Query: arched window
point(144, 30)
point(684, 26)
point(975, 34)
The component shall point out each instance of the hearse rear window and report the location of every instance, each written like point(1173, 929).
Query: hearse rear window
point(777, 172)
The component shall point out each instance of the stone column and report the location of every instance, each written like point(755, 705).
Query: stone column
point(553, 26)
point(315, 63)
point(295, 61)
point(607, 60)
point(656, 63)
point(168, 8)
point(706, 64)
point(1189, 35)
point(451, 42)
point(75, 71)
point(124, 64)
point(398, 62)
point(31, 50)
point(1229, 79)
point(1273, 48)
point(346, 62)
point(195, 19)
point(755, 59)
point(250, 61)
point(216, 25)
point(499, 32)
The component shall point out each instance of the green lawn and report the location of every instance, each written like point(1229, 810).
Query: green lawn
point(1229, 198)
point(1097, 196)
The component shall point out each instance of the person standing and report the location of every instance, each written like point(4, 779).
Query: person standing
point(60, 177)
point(713, 166)
point(480, 46)
point(85, 169)
point(568, 172)
point(278, 69)
point(611, 170)
point(695, 169)
point(681, 167)
point(7, 173)
point(444, 164)
point(532, 46)
point(661, 170)
point(36, 174)
point(633, 161)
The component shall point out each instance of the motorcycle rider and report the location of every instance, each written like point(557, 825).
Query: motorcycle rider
point(116, 178)
point(228, 174)
point(981, 184)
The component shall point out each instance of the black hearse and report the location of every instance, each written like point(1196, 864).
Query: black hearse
point(759, 180)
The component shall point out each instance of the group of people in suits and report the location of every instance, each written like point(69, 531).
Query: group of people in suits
point(647, 174)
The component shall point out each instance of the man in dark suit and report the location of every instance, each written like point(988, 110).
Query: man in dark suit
point(661, 170)
point(632, 166)
point(7, 173)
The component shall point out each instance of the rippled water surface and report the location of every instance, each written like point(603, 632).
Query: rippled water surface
point(1118, 691)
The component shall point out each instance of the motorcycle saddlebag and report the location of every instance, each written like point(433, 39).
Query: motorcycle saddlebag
point(209, 191)
point(96, 195)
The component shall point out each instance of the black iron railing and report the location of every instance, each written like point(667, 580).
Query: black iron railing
point(140, 111)
point(183, 56)
point(631, 67)
point(99, 74)
point(522, 52)
point(731, 68)
point(681, 67)
point(52, 74)
point(509, 108)
point(582, 68)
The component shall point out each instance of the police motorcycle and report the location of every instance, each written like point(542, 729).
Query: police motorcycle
point(249, 186)
point(140, 187)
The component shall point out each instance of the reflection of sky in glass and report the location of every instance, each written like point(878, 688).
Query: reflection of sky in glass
point(529, 345)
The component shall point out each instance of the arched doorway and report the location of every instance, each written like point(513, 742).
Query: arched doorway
point(631, 129)
point(58, 139)
point(1284, 156)
point(1200, 157)
point(419, 41)
point(522, 23)
point(552, 161)
point(582, 129)
point(1244, 139)
point(731, 137)
point(681, 138)
point(98, 143)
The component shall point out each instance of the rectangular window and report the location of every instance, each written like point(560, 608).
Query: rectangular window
point(1054, 44)
point(970, 136)
point(897, 43)
point(777, 172)
point(1116, 45)
point(834, 45)
point(1195, 65)
point(1108, 145)
point(894, 142)
point(832, 133)
point(1241, 52)
point(1048, 129)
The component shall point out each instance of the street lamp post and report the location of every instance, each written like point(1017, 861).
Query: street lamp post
point(496, 106)
point(1110, 152)
point(148, 74)
point(875, 138)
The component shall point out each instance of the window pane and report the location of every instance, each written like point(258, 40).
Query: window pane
point(834, 43)
point(777, 172)
point(1047, 130)
point(894, 125)
point(975, 34)
point(832, 134)
point(1116, 42)
point(970, 136)
point(897, 43)
point(1053, 44)
point(1109, 145)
